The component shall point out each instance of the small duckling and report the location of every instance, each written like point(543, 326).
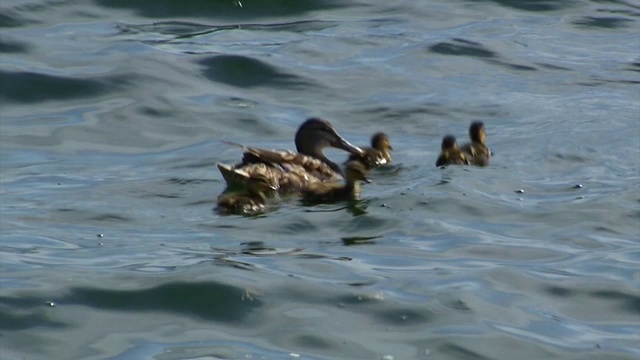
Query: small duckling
point(450, 153)
point(251, 201)
point(329, 192)
point(377, 154)
point(477, 151)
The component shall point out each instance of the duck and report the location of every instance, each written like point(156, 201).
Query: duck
point(289, 171)
point(376, 155)
point(477, 150)
point(251, 201)
point(334, 191)
point(450, 153)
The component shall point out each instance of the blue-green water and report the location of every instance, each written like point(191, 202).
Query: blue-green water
point(112, 116)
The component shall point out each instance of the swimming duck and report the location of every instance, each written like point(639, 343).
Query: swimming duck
point(288, 171)
point(377, 154)
point(450, 153)
point(477, 151)
point(251, 201)
point(328, 192)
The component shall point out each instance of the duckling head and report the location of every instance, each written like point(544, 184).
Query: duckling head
point(449, 143)
point(477, 132)
point(380, 141)
point(316, 134)
point(356, 171)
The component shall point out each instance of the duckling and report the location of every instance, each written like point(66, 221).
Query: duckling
point(251, 201)
point(477, 151)
point(289, 171)
point(450, 153)
point(329, 192)
point(377, 154)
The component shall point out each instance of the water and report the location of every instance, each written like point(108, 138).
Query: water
point(112, 114)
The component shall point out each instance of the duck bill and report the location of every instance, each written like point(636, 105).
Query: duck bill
point(343, 144)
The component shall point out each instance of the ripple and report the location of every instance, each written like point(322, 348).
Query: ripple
point(533, 5)
point(461, 47)
point(455, 351)
point(603, 22)
point(11, 321)
point(205, 300)
point(242, 9)
point(404, 317)
point(185, 30)
point(635, 66)
point(30, 87)
point(9, 19)
point(7, 46)
point(247, 72)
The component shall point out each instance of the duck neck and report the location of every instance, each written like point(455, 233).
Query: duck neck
point(386, 154)
point(335, 167)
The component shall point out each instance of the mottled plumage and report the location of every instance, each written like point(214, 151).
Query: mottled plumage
point(477, 151)
point(288, 171)
point(377, 154)
point(450, 153)
point(329, 192)
point(250, 201)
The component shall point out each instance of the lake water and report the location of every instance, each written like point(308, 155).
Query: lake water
point(112, 116)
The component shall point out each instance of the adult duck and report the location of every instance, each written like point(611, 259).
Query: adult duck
point(450, 153)
point(334, 191)
point(250, 201)
point(288, 171)
point(376, 155)
point(477, 151)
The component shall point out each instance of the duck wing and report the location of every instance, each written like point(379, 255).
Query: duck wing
point(287, 159)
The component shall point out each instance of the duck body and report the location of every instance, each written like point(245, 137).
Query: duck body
point(330, 192)
point(450, 153)
point(288, 171)
point(477, 151)
point(376, 155)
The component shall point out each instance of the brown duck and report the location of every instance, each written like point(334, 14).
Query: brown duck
point(250, 201)
point(377, 154)
point(288, 171)
point(477, 151)
point(329, 192)
point(450, 153)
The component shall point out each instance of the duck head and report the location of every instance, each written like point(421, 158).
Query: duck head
point(316, 134)
point(449, 143)
point(477, 132)
point(380, 141)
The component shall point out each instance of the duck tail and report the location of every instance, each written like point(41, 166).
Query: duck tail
point(233, 177)
point(234, 144)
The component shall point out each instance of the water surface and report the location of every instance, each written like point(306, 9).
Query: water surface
point(112, 116)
